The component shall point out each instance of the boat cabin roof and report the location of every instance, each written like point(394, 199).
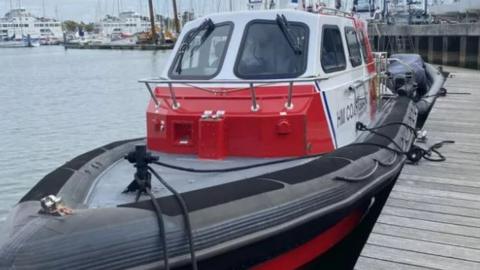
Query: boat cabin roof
point(272, 44)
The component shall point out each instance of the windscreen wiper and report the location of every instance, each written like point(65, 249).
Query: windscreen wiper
point(283, 24)
point(207, 25)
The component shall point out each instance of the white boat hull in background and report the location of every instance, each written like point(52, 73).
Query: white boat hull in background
point(458, 7)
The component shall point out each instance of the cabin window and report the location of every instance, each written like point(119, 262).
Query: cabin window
point(266, 52)
point(353, 47)
point(201, 53)
point(362, 45)
point(333, 53)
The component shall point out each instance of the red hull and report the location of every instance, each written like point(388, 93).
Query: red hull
point(314, 248)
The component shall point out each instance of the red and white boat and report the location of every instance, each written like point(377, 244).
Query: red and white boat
point(271, 134)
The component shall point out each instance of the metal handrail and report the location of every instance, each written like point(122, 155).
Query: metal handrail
point(252, 84)
point(334, 11)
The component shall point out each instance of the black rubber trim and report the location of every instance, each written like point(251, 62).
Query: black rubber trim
point(50, 184)
point(79, 161)
point(208, 197)
point(308, 171)
point(54, 181)
point(258, 252)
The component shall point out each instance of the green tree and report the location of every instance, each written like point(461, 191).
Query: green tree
point(88, 27)
point(70, 26)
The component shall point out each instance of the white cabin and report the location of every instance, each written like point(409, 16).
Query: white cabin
point(18, 22)
point(244, 46)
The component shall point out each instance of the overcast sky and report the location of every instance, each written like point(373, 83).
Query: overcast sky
point(91, 10)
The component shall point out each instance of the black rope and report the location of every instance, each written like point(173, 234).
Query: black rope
point(415, 153)
point(443, 93)
point(144, 187)
point(183, 207)
point(161, 227)
point(180, 168)
point(434, 149)
point(362, 127)
point(412, 129)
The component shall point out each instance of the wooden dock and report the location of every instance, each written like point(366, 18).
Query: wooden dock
point(432, 217)
point(142, 47)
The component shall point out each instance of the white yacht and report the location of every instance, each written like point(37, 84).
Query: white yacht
point(19, 23)
point(127, 23)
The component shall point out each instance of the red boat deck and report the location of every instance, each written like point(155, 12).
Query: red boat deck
point(432, 217)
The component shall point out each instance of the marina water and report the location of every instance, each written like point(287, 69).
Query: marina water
point(57, 104)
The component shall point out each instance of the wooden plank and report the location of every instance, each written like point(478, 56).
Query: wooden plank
point(427, 235)
point(444, 172)
point(434, 208)
point(438, 193)
point(409, 222)
point(440, 186)
point(417, 259)
point(466, 182)
point(425, 247)
point(366, 263)
point(432, 218)
point(440, 201)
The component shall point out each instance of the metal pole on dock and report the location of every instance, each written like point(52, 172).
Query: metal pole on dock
point(152, 22)
point(175, 16)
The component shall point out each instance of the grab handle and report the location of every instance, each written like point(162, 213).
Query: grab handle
point(355, 85)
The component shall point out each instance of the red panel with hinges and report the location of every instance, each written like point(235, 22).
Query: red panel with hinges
point(222, 123)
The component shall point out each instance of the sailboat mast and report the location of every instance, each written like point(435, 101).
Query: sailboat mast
point(175, 17)
point(152, 22)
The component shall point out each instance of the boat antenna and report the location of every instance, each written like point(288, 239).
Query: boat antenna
point(175, 17)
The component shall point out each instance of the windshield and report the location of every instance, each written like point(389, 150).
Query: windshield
point(201, 53)
point(267, 53)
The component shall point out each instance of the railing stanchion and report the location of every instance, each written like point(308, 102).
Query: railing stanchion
point(175, 104)
point(157, 103)
point(289, 104)
point(255, 106)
